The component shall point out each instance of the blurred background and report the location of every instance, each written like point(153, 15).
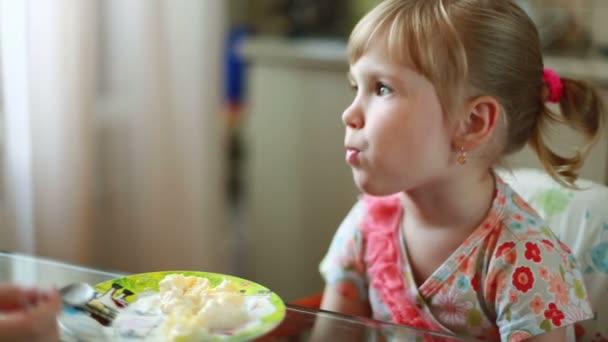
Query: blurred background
point(149, 135)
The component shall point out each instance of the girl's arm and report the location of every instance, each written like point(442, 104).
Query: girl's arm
point(335, 298)
point(555, 335)
point(344, 297)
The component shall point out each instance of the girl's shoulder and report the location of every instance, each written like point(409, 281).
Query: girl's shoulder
point(521, 228)
point(350, 227)
point(518, 219)
point(524, 237)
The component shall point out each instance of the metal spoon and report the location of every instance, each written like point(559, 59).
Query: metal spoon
point(77, 294)
point(84, 297)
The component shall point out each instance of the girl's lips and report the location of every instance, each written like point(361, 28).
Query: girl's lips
point(352, 156)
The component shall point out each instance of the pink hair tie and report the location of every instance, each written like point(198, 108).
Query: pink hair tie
point(554, 84)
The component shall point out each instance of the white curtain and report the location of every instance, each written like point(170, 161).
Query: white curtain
point(113, 134)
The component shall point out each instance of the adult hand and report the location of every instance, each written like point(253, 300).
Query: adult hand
point(28, 314)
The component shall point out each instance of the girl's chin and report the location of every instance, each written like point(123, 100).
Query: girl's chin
point(369, 188)
point(377, 193)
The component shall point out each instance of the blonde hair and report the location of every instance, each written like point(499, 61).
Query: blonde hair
point(488, 47)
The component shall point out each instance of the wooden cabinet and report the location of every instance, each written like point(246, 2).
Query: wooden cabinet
point(298, 187)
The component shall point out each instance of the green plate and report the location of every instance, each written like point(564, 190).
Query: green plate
point(76, 325)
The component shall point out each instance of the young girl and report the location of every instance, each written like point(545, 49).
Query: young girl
point(444, 89)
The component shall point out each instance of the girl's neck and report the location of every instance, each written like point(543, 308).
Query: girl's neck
point(458, 202)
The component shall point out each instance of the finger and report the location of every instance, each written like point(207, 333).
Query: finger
point(16, 326)
point(52, 299)
point(14, 297)
point(45, 313)
point(8, 290)
point(36, 324)
point(19, 298)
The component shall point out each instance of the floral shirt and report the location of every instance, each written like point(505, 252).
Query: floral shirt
point(510, 279)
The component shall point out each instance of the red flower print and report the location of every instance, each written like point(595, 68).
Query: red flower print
point(433, 283)
point(559, 287)
point(468, 264)
point(533, 252)
point(502, 200)
point(518, 217)
point(554, 314)
point(513, 296)
point(510, 256)
point(523, 204)
point(523, 279)
point(475, 282)
point(543, 273)
point(537, 304)
point(564, 246)
point(505, 246)
point(548, 244)
point(450, 280)
point(461, 260)
point(496, 281)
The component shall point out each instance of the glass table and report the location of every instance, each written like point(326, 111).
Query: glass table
point(300, 323)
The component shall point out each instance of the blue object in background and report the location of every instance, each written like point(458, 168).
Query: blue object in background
point(234, 66)
point(234, 96)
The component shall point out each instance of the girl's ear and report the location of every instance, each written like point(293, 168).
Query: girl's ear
point(478, 123)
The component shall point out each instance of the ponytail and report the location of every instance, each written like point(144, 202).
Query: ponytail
point(582, 110)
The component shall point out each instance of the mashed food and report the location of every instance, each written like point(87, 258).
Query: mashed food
point(188, 308)
point(193, 307)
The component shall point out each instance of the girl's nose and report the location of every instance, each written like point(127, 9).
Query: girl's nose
point(353, 116)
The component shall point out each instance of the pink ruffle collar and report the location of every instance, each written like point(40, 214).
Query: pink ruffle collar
point(381, 230)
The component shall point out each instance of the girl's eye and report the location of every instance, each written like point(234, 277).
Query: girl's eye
point(382, 89)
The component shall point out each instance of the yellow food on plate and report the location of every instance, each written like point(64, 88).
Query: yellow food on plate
point(193, 307)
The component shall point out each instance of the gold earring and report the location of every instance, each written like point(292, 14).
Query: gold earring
point(462, 156)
